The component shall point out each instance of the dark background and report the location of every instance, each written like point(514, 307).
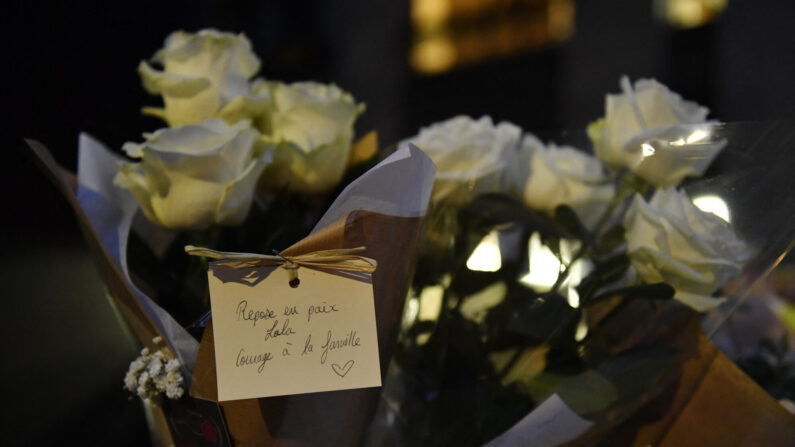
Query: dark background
point(71, 67)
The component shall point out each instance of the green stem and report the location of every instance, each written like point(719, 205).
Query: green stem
point(511, 363)
point(626, 186)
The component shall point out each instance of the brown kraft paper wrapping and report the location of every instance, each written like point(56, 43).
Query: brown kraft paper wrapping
point(715, 404)
point(336, 418)
point(711, 402)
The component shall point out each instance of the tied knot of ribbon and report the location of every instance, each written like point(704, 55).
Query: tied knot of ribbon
point(345, 259)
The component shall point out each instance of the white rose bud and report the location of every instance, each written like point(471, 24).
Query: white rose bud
point(195, 176)
point(204, 75)
point(655, 133)
point(311, 126)
point(549, 176)
point(470, 156)
point(670, 240)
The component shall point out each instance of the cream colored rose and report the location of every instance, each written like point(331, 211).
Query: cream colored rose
point(191, 177)
point(470, 155)
point(205, 74)
point(655, 133)
point(549, 176)
point(670, 240)
point(311, 126)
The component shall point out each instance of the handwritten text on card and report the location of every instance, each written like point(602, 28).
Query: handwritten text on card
point(272, 339)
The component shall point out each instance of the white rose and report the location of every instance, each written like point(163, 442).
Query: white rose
point(311, 125)
point(470, 156)
point(195, 176)
point(204, 75)
point(546, 177)
point(670, 240)
point(655, 133)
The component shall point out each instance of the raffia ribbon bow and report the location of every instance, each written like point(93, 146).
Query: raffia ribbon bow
point(345, 259)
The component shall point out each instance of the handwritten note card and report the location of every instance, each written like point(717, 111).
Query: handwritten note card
point(272, 339)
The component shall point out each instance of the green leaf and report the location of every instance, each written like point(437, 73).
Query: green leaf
point(538, 319)
point(625, 376)
point(568, 220)
point(604, 273)
point(636, 371)
point(611, 239)
point(585, 393)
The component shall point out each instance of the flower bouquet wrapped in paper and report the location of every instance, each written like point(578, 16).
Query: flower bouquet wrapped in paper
point(247, 166)
point(557, 294)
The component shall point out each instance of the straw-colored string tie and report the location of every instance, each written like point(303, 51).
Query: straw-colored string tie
point(345, 259)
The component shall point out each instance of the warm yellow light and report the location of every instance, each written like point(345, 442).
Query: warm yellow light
point(430, 303)
point(582, 330)
point(712, 204)
point(411, 312)
point(430, 14)
point(544, 266)
point(648, 149)
point(696, 136)
point(486, 257)
point(434, 55)
point(561, 15)
point(475, 307)
point(678, 142)
point(689, 13)
point(572, 296)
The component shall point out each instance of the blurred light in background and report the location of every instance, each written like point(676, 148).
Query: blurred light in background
point(689, 13)
point(712, 204)
point(475, 307)
point(430, 303)
point(450, 33)
point(486, 256)
point(696, 136)
point(411, 312)
point(544, 268)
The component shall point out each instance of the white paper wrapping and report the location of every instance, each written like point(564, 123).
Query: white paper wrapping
point(385, 188)
point(552, 423)
point(111, 210)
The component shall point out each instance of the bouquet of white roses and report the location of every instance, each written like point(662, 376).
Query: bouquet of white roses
point(549, 281)
point(245, 165)
point(557, 291)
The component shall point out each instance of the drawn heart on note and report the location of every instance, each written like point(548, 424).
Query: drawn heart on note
point(342, 370)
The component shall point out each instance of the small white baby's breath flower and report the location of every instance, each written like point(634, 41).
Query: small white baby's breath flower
point(155, 366)
point(161, 383)
point(130, 381)
point(137, 365)
point(174, 391)
point(172, 365)
point(152, 374)
point(143, 378)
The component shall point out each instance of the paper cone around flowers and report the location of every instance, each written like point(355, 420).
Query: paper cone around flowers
point(715, 404)
point(711, 402)
point(701, 399)
point(384, 210)
point(108, 257)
